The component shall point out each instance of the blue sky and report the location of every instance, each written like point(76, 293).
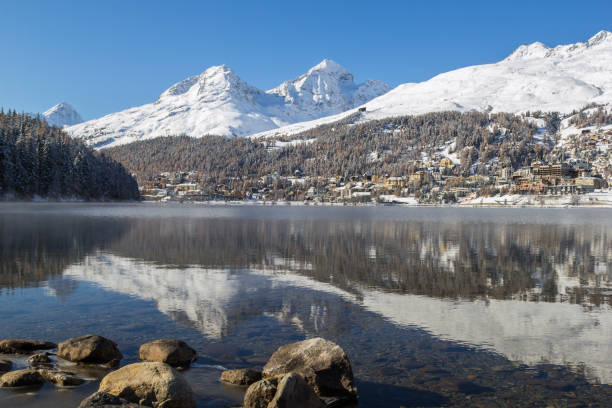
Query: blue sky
point(104, 56)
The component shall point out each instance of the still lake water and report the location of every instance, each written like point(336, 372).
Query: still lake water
point(434, 306)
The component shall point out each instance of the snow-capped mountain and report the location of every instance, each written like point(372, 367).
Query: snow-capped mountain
point(218, 102)
point(62, 114)
point(533, 77)
point(328, 86)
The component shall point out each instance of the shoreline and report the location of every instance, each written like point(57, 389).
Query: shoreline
point(245, 203)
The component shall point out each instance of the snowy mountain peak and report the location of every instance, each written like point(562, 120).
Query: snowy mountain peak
point(328, 66)
point(602, 37)
point(219, 102)
point(539, 50)
point(216, 83)
point(328, 85)
point(528, 51)
point(62, 114)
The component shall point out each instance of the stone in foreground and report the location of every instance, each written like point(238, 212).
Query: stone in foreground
point(322, 363)
point(294, 392)
point(288, 391)
point(21, 378)
point(261, 393)
point(5, 365)
point(61, 378)
point(21, 346)
point(242, 377)
point(104, 400)
point(173, 352)
point(150, 384)
point(90, 349)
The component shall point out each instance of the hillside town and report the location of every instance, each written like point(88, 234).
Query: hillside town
point(438, 179)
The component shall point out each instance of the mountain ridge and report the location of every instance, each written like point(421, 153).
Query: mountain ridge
point(533, 77)
point(219, 102)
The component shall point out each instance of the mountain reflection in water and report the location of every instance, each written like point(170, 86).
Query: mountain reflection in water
point(532, 286)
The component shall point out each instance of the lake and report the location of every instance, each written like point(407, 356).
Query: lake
point(434, 306)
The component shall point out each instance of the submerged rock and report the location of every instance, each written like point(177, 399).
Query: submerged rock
point(173, 352)
point(322, 363)
point(21, 378)
point(90, 349)
point(151, 384)
point(105, 400)
point(40, 359)
point(5, 365)
point(243, 376)
point(61, 378)
point(21, 346)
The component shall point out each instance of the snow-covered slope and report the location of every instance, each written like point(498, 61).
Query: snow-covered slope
point(61, 115)
point(534, 77)
point(219, 102)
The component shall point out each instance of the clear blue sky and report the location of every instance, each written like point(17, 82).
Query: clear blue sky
point(104, 56)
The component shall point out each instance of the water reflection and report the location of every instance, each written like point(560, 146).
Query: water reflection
point(468, 260)
point(531, 288)
point(217, 301)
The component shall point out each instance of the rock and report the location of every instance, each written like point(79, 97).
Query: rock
point(294, 392)
point(261, 393)
point(20, 346)
point(174, 352)
point(151, 384)
point(90, 349)
point(21, 378)
point(5, 365)
point(40, 359)
point(104, 400)
point(243, 376)
point(61, 378)
point(322, 363)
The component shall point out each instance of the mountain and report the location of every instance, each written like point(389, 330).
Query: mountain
point(62, 114)
point(533, 77)
point(219, 102)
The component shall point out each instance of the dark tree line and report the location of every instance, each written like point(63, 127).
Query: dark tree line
point(345, 148)
point(41, 160)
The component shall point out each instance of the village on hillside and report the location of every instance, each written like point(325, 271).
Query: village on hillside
point(435, 180)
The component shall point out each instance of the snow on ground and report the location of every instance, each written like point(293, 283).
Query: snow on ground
point(390, 198)
point(279, 144)
point(598, 198)
point(451, 156)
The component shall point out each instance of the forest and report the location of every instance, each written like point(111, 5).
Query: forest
point(42, 161)
point(390, 146)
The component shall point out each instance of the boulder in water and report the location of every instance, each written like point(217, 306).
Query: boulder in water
point(22, 346)
point(173, 352)
point(104, 400)
point(21, 378)
point(90, 349)
point(243, 376)
point(322, 363)
point(151, 384)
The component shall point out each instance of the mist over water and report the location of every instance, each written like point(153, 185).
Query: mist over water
point(463, 307)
